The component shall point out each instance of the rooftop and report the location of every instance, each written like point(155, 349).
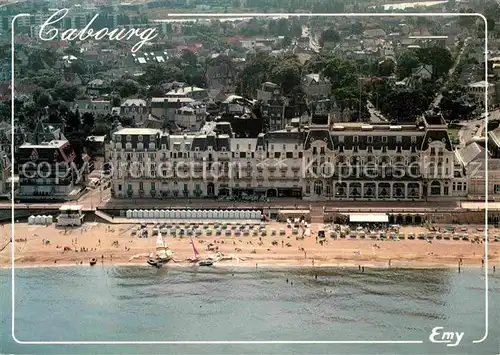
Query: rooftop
point(136, 131)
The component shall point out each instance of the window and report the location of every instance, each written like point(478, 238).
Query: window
point(496, 189)
point(284, 146)
point(237, 146)
point(341, 139)
point(399, 139)
point(139, 137)
point(141, 185)
point(119, 187)
point(128, 138)
point(369, 139)
point(413, 139)
point(308, 189)
point(272, 146)
point(355, 139)
point(153, 186)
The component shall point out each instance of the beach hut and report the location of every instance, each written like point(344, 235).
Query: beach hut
point(225, 214)
point(31, 220)
point(140, 214)
point(133, 214)
point(129, 213)
point(176, 214)
point(50, 219)
point(38, 220)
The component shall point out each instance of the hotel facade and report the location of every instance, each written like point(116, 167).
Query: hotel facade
point(340, 161)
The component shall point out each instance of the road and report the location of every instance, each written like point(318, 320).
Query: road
point(375, 115)
point(439, 97)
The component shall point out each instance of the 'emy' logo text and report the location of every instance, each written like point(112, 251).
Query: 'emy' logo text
point(450, 338)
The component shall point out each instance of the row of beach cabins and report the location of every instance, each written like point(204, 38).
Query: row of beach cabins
point(195, 214)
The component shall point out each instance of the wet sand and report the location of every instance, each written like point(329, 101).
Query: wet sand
point(251, 252)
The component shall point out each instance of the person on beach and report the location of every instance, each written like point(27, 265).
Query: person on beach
point(482, 262)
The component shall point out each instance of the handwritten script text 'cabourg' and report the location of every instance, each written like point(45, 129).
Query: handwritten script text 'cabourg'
point(49, 34)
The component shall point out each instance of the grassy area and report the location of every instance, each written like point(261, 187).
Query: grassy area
point(453, 133)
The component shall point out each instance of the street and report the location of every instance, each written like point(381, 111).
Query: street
point(439, 97)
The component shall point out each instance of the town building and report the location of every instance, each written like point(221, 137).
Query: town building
point(136, 109)
point(478, 89)
point(322, 161)
point(46, 171)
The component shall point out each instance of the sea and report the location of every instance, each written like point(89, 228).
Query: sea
point(224, 304)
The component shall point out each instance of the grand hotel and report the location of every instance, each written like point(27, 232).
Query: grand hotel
point(319, 160)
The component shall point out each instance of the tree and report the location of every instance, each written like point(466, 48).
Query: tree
point(189, 57)
point(329, 35)
point(440, 59)
point(65, 92)
point(127, 88)
point(155, 91)
point(42, 98)
point(386, 67)
point(288, 75)
point(406, 63)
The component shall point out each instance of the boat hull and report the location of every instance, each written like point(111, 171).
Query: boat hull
point(157, 263)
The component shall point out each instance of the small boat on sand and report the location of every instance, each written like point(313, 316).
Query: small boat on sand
point(206, 263)
point(93, 261)
point(163, 254)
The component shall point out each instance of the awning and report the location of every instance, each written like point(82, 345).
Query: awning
point(369, 218)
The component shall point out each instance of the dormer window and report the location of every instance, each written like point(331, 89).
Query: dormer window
point(355, 139)
point(384, 139)
point(413, 139)
point(128, 138)
point(369, 139)
point(140, 137)
point(399, 139)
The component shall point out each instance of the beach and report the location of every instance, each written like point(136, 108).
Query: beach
point(114, 244)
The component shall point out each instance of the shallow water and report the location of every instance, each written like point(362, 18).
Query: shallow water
point(220, 304)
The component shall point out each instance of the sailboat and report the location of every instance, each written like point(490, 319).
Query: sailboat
point(196, 257)
point(163, 254)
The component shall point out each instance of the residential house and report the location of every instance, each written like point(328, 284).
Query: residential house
point(374, 33)
point(98, 87)
point(166, 107)
point(478, 90)
point(267, 91)
point(316, 86)
point(191, 117)
point(137, 109)
point(193, 92)
point(95, 107)
point(220, 73)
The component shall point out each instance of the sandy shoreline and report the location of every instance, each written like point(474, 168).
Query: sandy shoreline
point(114, 246)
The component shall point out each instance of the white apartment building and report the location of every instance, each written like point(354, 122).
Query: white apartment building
point(343, 162)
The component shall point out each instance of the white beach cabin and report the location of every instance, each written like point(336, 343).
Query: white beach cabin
point(70, 215)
